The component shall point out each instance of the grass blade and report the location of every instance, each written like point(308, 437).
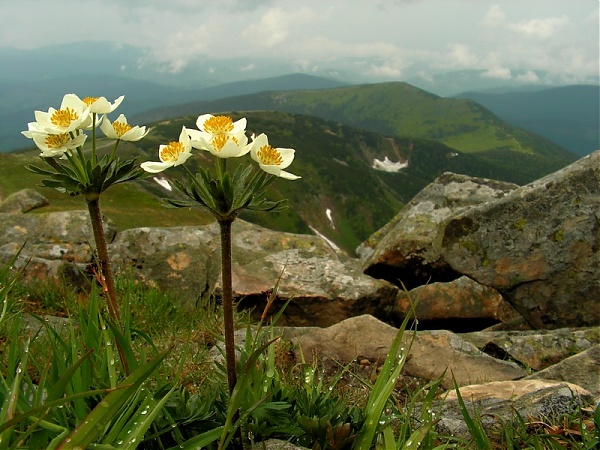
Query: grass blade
point(95, 423)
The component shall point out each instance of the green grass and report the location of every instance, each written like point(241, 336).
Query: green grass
point(187, 396)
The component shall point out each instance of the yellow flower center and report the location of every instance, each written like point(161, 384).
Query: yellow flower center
point(171, 151)
point(121, 128)
point(63, 117)
point(269, 156)
point(57, 140)
point(90, 100)
point(219, 141)
point(218, 125)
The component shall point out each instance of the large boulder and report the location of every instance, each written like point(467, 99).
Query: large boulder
point(323, 285)
point(581, 369)
point(407, 249)
point(63, 235)
point(54, 245)
point(457, 305)
point(432, 354)
point(538, 246)
point(182, 260)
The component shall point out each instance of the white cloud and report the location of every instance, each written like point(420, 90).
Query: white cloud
point(502, 73)
point(271, 30)
point(528, 77)
point(462, 56)
point(495, 16)
point(540, 28)
point(384, 71)
point(383, 38)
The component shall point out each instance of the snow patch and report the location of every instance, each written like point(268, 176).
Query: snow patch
point(388, 166)
point(163, 183)
point(329, 242)
point(330, 217)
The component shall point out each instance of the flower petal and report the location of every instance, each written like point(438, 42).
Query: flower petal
point(155, 167)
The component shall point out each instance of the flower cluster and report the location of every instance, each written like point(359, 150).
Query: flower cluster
point(224, 138)
point(60, 131)
point(226, 194)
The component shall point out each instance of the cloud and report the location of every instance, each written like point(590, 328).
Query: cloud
point(528, 77)
point(271, 30)
point(462, 56)
point(495, 16)
point(540, 28)
point(502, 73)
point(384, 71)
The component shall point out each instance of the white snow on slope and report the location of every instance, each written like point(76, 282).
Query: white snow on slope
point(388, 166)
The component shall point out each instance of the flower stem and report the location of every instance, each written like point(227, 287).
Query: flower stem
point(225, 225)
point(94, 156)
point(106, 280)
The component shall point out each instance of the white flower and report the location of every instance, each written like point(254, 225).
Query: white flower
point(223, 145)
point(211, 126)
point(120, 129)
point(53, 144)
point(172, 154)
point(272, 160)
point(72, 115)
point(221, 136)
point(100, 105)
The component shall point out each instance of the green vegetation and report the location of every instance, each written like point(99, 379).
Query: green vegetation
point(62, 386)
point(334, 160)
point(567, 115)
point(393, 109)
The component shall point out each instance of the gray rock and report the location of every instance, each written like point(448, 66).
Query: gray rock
point(65, 235)
point(582, 369)
point(325, 287)
point(495, 403)
point(183, 260)
point(538, 246)
point(407, 249)
point(535, 349)
point(430, 355)
point(23, 201)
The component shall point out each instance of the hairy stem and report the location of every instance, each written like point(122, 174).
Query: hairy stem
point(106, 280)
point(225, 225)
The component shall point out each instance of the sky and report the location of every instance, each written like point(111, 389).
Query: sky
point(386, 38)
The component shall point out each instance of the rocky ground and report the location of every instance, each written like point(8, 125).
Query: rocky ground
point(507, 280)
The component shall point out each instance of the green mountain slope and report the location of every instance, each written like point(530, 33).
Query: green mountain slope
point(569, 116)
point(399, 109)
point(335, 162)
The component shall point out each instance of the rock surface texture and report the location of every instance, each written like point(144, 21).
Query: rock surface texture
point(538, 246)
point(407, 249)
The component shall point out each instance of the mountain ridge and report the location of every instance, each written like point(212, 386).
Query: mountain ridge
point(567, 115)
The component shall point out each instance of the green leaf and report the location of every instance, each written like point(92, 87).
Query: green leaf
point(200, 441)
point(100, 417)
point(476, 429)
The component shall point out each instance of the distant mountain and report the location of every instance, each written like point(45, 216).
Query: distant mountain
point(399, 109)
point(22, 98)
point(480, 80)
point(569, 116)
point(353, 181)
